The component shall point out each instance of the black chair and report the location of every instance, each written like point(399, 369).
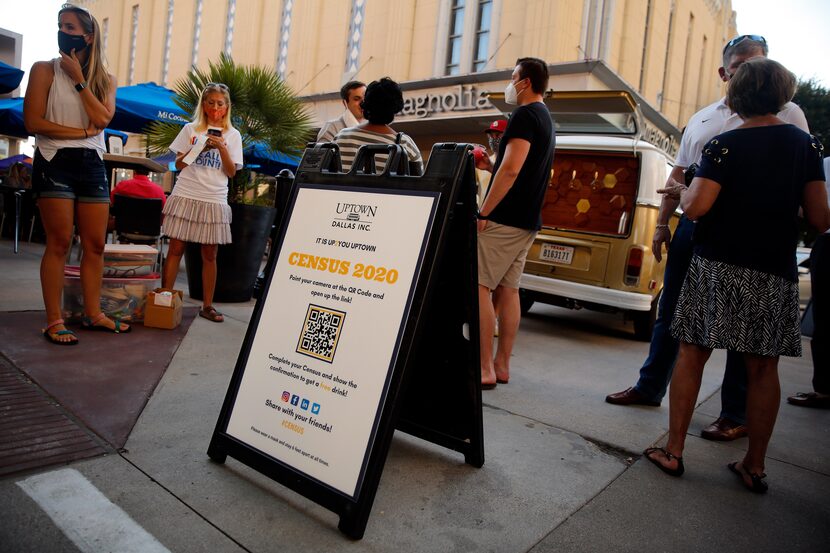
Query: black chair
point(138, 221)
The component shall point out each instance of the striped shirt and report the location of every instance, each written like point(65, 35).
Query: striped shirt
point(351, 139)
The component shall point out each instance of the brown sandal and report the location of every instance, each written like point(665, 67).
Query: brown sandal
point(211, 314)
point(757, 484)
point(669, 456)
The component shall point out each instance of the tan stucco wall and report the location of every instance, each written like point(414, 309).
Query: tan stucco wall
point(406, 39)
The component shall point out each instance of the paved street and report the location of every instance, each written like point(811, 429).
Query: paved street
point(562, 468)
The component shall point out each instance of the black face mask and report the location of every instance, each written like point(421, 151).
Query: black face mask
point(67, 42)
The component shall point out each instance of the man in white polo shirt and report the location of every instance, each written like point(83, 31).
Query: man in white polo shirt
point(657, 369)
point(351, 94)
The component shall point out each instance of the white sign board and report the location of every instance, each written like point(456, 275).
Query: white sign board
point(327, 338)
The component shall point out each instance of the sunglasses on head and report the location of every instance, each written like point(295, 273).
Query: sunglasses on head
point(74, 8)
point(223, 86)
point(739, 39)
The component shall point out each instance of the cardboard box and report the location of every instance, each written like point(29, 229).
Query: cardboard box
point(163, 310)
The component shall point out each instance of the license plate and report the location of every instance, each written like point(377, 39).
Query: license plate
point(555, 253)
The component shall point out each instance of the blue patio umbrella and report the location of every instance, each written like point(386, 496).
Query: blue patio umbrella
point(135, 107)
point(10, 78)
point(11, 121)
point(122, 135)
point(11, 117)
point(19, 158)
point(138, 105)
point(259, 158)
point(168, 160)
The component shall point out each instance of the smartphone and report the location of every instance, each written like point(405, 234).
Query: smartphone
point(689, 173)
point(214, 132)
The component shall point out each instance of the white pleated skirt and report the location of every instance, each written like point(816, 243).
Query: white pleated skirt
point(195, 221)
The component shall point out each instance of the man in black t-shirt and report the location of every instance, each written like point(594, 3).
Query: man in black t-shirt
point(511, 213)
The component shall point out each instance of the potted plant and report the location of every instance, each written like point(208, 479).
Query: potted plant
point(268, 115)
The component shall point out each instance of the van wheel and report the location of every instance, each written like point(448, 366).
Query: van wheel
point(525, 300)
point(644, 320)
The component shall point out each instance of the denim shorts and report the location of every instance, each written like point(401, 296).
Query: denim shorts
point(73, 173)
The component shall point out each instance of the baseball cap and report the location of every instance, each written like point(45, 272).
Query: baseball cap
point(499, 125)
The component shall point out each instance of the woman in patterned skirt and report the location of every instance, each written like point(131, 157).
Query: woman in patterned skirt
point(197, 209)
point(741, 291)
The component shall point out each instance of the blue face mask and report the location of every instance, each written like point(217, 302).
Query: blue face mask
point(67, 43)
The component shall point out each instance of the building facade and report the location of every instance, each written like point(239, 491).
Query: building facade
point(446, 53)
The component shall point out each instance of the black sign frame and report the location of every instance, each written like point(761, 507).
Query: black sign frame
point(446, 281)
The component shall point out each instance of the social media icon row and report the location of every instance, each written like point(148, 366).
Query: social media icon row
point(294, 399)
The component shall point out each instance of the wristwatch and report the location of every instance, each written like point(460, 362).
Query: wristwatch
point(80, 86)
point(482, 217)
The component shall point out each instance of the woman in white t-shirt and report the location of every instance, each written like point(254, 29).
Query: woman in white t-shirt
point(208, 153)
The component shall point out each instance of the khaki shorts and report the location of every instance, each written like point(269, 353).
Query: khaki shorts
point(502, 251)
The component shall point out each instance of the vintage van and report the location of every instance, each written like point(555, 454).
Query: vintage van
point(600, 210)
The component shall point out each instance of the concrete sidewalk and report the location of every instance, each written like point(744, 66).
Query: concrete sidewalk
point(562, 468)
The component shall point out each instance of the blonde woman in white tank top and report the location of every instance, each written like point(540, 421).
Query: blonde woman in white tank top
point(69, 101)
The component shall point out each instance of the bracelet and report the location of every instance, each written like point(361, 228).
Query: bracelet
point(661, 226)
point(482, 217)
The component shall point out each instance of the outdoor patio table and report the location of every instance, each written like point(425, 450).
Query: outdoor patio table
point(18, 194)
point(117, 161)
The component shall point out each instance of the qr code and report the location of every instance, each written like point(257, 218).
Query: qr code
point(321, 332)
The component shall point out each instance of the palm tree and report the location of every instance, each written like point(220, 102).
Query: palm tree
point(265, 111)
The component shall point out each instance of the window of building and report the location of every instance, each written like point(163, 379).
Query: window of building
point(355, 37)
point(669, 38)
point(105, 32)
point(701, 71)
point(685, 77)
point(285, 33)
point(168, 34)
point(197, 30)
point(453, 66)
point(596, 29)
point(229, 27)
point(468, 25)
point(646, 34)
point(482, 44)
point(133, 43)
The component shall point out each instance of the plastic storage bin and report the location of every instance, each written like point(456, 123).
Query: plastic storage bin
point(129, 260)
point(124, 298)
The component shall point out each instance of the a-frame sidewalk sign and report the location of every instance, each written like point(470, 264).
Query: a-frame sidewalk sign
point(367, 322)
